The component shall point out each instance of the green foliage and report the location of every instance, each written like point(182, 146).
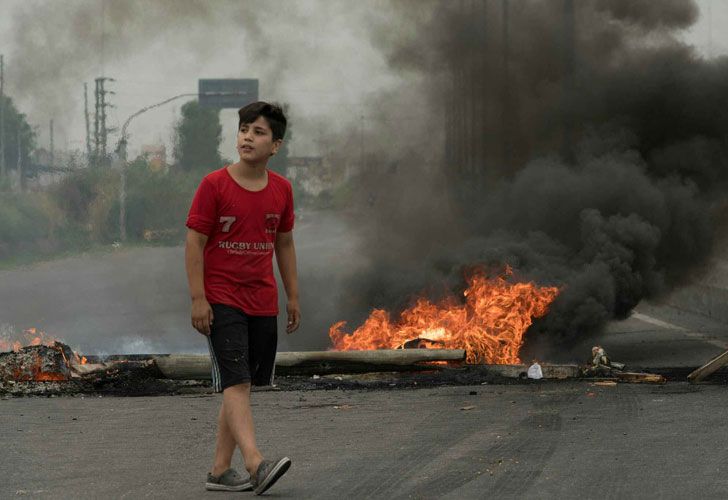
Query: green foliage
point(82, 211)
point(156, 202)
point(23, 223)
point(197, 138)
point(75, 194)
point(15, 122)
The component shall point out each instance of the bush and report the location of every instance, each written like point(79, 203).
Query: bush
point(23, 222)
point(83, 210)
point(155, 201)
point(76, 193)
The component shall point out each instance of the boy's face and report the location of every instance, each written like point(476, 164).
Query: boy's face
point(255, 141)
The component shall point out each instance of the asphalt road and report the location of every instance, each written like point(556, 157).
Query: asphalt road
point(545, 440)
point(135, 300)
point(660, 336)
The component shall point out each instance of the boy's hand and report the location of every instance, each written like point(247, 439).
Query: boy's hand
point(202, 315)
point(294, 316)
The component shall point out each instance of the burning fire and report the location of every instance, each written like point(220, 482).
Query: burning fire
point(35, 371)
point(489, 325)
point(32, 337)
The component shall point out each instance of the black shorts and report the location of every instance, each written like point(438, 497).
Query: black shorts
point(242, 347)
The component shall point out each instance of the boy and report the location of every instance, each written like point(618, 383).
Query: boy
point(240, 215)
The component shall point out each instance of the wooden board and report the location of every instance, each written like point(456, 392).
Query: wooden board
point(640, 378)
point(709, 368)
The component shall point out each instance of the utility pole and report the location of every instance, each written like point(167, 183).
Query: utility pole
point(2, 116)
point(85, 115)
point(52, 150)
point(101, 131)
point(102, 99)
point(96, 123)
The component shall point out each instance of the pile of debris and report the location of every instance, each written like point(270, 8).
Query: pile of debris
point(54, 369)
point(600, 366)
point(39, 363)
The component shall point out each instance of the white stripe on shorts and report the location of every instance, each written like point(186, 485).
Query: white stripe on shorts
point(273, 370)
point(216, 384)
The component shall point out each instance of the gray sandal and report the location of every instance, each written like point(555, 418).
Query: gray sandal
point(229, 480)
point(268, 473)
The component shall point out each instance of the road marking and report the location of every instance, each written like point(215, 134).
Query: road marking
point(695, 335)
point(656, 322)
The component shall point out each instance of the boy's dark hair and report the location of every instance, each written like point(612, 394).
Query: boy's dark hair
point(271, 112)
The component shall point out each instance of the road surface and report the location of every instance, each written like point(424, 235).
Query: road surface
point(543, 440)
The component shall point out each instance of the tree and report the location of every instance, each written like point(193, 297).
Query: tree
point(197, 138)
point(15, 122)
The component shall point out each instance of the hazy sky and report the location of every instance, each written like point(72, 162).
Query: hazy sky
point(313, 54)
point(322, 73)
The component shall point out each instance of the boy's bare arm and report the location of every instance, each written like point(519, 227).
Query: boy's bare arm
point(201, 311)
point(286, 258)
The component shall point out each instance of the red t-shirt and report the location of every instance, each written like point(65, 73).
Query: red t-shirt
point(241, 226)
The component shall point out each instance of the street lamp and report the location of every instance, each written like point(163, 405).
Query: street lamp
point(121, 149)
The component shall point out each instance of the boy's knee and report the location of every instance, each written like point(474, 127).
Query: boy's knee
point(238, 388)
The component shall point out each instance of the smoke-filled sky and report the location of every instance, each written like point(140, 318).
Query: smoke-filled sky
point(318, 55)
point(315, 55)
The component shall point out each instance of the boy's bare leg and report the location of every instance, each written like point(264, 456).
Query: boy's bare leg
point(238, 429)
point(225, 446)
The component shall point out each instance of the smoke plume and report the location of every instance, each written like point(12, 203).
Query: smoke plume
point(584, 146)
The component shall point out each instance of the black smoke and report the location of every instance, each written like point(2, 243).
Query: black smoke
point(584, 145)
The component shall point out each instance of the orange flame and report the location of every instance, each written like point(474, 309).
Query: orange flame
point(489, 326)
point(33, 337)
point(37, 374)
point(6, 345)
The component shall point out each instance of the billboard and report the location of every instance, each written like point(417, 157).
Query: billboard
point(227, 92)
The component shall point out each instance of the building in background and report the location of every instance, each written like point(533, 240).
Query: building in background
point(156, 155)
